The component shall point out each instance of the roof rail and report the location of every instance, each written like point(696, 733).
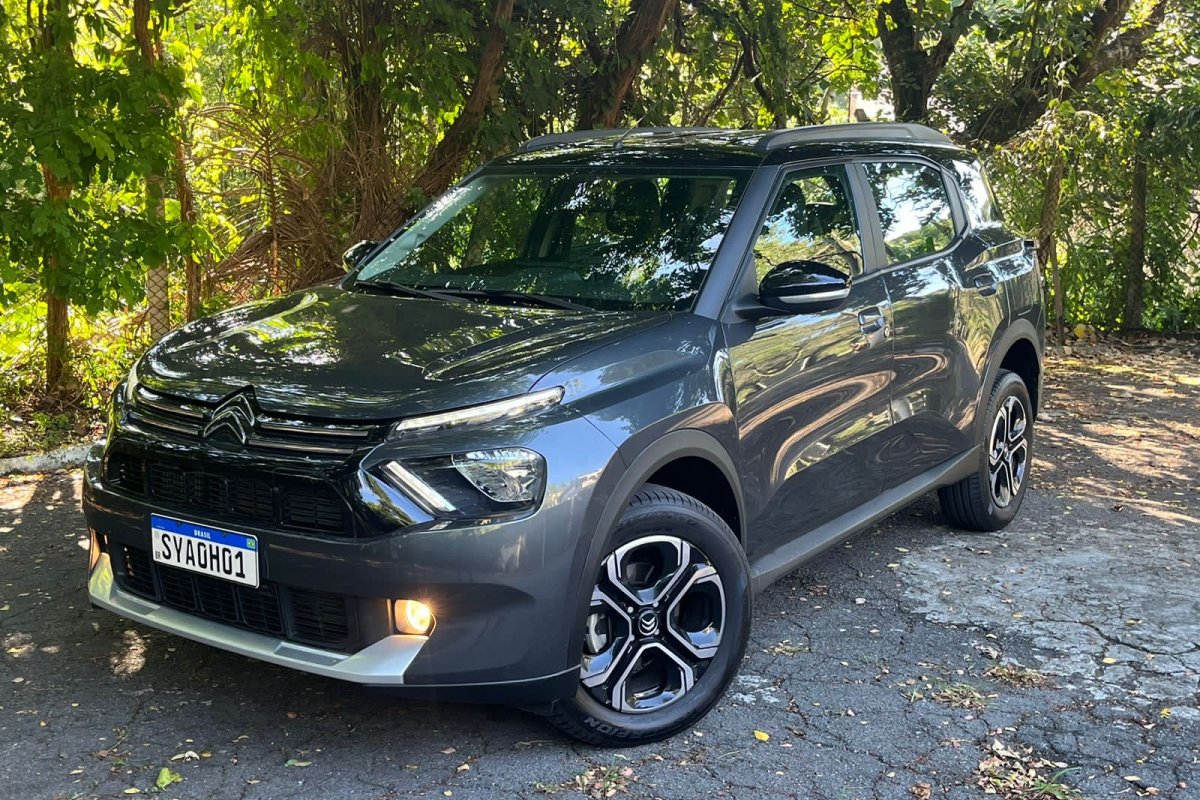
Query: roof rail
point(854, 130)
point(572, 137)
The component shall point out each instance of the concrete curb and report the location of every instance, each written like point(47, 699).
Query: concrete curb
point(62, 458)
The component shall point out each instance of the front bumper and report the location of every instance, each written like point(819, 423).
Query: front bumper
point(504, 593)
point(383, 663)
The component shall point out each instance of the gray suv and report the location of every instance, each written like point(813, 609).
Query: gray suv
point(543, 445)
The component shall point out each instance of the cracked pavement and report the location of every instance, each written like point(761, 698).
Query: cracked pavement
point(871, 669)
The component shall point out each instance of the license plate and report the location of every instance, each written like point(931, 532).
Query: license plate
point(204, 549)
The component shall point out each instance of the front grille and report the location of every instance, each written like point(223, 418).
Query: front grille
point(261, 498)
point(320, 619)
point(299, 435)
point(136, 572)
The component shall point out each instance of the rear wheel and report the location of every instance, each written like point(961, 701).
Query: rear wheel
point(989, 498)
point(666, 625)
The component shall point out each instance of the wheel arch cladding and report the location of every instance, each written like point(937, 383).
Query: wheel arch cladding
point(1016, 345)
point(1022, 358)
point(701, 478)
point(687, 457)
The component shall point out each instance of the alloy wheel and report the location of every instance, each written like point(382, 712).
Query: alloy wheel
point(654, 624)
point(1008, 454)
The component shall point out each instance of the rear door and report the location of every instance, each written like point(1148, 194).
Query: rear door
point(811, 389)
point(920, 234)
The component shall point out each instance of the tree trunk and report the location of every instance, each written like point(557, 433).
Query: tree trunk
point(1047, 250)
point(1135, 274)
point(58, 343)
point(187, 214)
point(373, 166)
point(58, 328)
point(908, 67)
point(450, 152)
point(355, 38)
point(911, 68)
point(158, 298)
point(600, 102)
point(447, 158)
point(54, 281)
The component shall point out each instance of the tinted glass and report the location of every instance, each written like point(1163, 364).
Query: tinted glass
point(811, 219)
point(977, 193)
point(914, 210)
point(600, 239)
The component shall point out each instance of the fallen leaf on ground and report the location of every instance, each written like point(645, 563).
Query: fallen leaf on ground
point(762, 736)
point(295, 762)
point(165, 778)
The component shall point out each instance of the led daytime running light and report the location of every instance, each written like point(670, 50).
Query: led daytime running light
point(477, 415)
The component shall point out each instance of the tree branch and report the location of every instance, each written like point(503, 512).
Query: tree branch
point(600, 103)
point(1031, 93)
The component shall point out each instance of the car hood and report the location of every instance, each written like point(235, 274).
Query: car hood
point(332, 353)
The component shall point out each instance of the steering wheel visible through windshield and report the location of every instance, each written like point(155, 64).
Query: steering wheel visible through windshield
point(598, 239)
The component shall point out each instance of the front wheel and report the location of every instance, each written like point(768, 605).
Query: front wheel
point(666, 625)
point(989, 498)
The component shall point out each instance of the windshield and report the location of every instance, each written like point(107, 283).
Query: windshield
point(602, 240)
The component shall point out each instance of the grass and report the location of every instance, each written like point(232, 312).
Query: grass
point(39, 431)
point(959, 695)
point(1015, 773)
point(1018, 677)
point(597, 783)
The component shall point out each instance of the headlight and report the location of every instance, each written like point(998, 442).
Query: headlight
point(473, 485)
point(512, 475)
point(508, 408)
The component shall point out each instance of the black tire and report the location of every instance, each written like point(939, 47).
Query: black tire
point(973, 503)
point(656, 510)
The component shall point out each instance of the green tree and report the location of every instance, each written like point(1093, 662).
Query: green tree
point(76, 129)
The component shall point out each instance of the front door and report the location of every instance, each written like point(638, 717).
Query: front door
point(812, 389)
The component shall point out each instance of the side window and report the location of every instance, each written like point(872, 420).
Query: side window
point(811, 219)
point(914, 209)
point(981, 203)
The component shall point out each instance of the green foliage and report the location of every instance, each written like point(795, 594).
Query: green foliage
point(303, 125)
point(82, 120)
point(1147, 113)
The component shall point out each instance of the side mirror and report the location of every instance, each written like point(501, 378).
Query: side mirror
point(357, 252)
point(799, 286)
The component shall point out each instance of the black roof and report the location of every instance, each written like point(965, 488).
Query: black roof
point(717, 147)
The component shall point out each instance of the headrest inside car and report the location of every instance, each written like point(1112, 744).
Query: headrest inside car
point(635, 208)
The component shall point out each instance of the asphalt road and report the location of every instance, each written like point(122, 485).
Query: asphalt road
point(893, 667)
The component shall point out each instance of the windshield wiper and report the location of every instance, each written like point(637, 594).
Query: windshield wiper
point(408, 291)
point(544, 300)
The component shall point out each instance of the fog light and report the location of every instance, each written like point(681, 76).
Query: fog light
point(508, 475)
point(413, 617)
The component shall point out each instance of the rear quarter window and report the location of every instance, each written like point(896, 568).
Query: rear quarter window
point(914, 209)
point(982, 209)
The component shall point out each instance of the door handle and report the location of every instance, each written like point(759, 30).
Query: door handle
point(870, 320)
point(986, 283)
